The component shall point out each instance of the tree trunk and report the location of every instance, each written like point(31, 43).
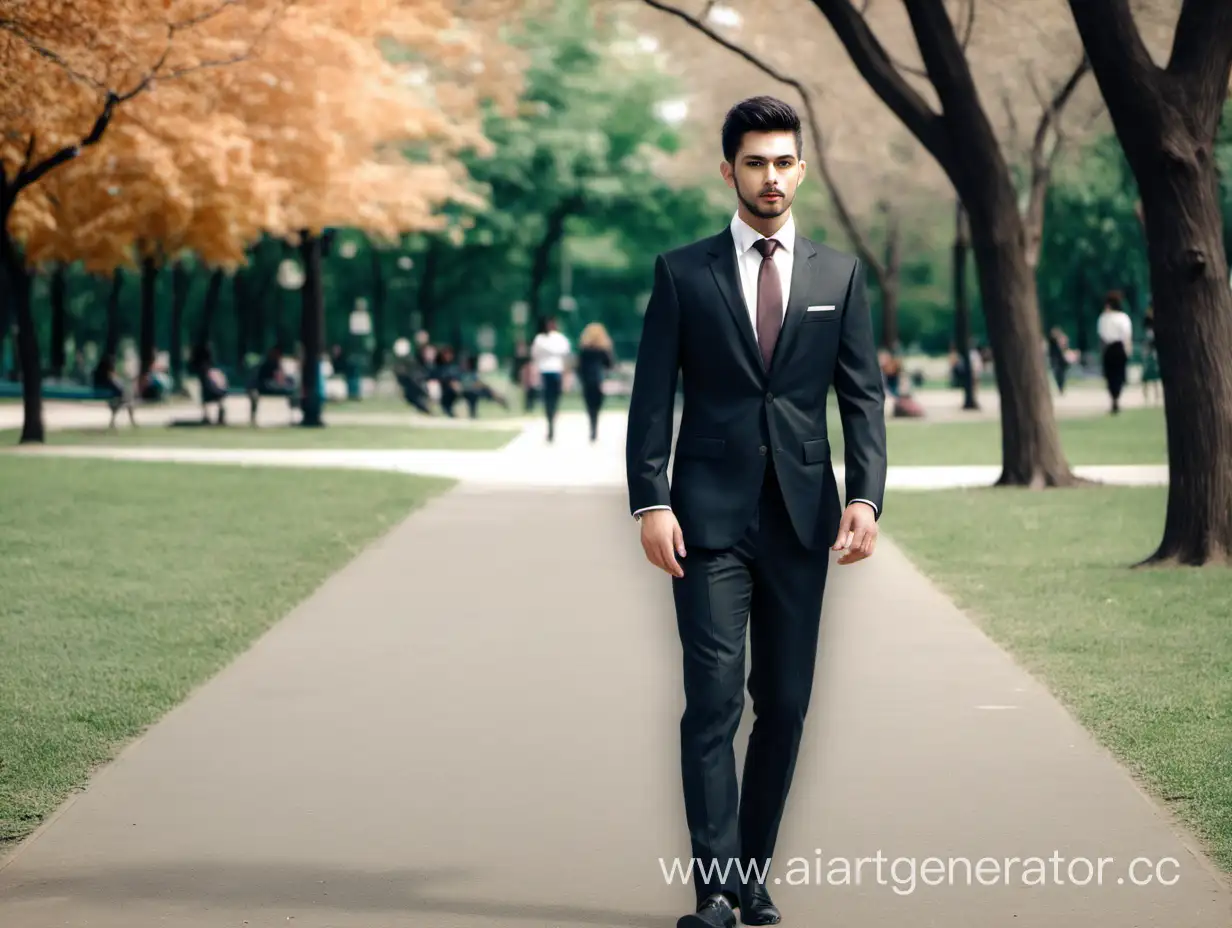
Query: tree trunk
point(1082, 341)
point(379, 292)
point(1031, 452)
point(213, 293)
point(890, 280)
point(6, 316)
point(961, 138)
point(542, 257)
point(149, 313)
point(426, 298)
point(962, 306)
point(1193, 330)
point(111, 342)
point(31, 362)
point(180, 282)
point(1167, 120)
point(27, 337)
point(239, 305)
point(312, 331)
point(59, 318)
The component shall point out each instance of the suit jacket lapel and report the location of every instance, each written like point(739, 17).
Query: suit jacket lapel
point(802, 271)
point(727, 277)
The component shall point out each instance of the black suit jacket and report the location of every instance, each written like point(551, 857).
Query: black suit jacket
point(736, 413)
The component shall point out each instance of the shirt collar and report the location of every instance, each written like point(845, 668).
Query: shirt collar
point(745, 235)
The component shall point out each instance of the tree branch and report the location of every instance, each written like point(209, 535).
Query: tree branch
point(1120, 60)
point(15, 29)
point(719, 39)
point(1202, 55)
point(1011, 118)
point(845, 217)
point(1053, 109)
point(1042, 161)
point(31, 173)
point(968, 29)
point(943, 55)
point(951, 78)
point(876, 67)
point(28, 157)
point(205, 17)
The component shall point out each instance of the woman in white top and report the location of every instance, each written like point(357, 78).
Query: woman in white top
point(1116, 336)
point(550, 353)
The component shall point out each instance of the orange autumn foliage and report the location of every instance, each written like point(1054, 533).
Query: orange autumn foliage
point(267, 116)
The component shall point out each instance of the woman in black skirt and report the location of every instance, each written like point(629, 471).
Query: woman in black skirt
point(1116, 337)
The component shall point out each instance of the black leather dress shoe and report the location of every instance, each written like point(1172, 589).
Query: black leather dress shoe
point(756, 907)
point(712, 914)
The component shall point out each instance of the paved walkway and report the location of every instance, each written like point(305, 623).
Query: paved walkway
point(271, 412)
point(439, 739)
point(1080, 400)
point(530, 462)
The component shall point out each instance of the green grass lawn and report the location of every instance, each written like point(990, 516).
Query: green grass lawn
point(128, 584)
point(376, 437)
point(1136, 436)
point(1142, 657)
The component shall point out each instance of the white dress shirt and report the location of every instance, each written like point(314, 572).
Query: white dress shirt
point(748, 265)
point(748, 261)
point(550, 351)
point(1116, 326)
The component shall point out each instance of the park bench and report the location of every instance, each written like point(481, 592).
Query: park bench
point(75, 393)
point(254, 399)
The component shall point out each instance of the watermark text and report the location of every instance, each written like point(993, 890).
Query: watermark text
point(904, 875)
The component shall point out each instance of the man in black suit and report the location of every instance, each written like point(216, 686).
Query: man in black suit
point(760, 323)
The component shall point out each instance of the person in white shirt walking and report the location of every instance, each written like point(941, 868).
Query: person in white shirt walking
point(1116, 337)
point(550, 352)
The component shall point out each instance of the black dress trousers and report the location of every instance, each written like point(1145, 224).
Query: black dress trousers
point(770, 581)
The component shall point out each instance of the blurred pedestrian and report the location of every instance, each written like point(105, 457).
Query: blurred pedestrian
point(595, 359)
point(1116, 336)
point(1058, 355)
point(1151, 385)
point(550, 352)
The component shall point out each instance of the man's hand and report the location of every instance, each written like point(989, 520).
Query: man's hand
point(662, 540)
point(857, 532)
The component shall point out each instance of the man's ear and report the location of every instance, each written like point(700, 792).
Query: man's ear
point(725, 169)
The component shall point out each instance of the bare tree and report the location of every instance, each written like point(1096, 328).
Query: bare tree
point(961, 138)
point(1166, 118)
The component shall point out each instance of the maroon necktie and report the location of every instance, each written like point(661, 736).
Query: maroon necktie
point(769, 299)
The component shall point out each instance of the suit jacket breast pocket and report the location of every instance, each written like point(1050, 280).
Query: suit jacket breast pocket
point(822, 312)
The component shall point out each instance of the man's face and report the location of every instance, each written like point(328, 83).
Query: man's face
point(766, 173)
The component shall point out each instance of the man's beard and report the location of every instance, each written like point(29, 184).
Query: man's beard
point(762, 212)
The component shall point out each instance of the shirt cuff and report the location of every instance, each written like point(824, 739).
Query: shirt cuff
point(869, 501)
point(638, 514)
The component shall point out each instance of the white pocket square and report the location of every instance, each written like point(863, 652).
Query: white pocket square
point(821, 309)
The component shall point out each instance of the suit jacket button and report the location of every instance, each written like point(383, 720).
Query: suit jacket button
point(761, 450)
point(769, 397)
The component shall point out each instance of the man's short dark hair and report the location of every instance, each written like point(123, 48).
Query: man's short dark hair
point(759, 114)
